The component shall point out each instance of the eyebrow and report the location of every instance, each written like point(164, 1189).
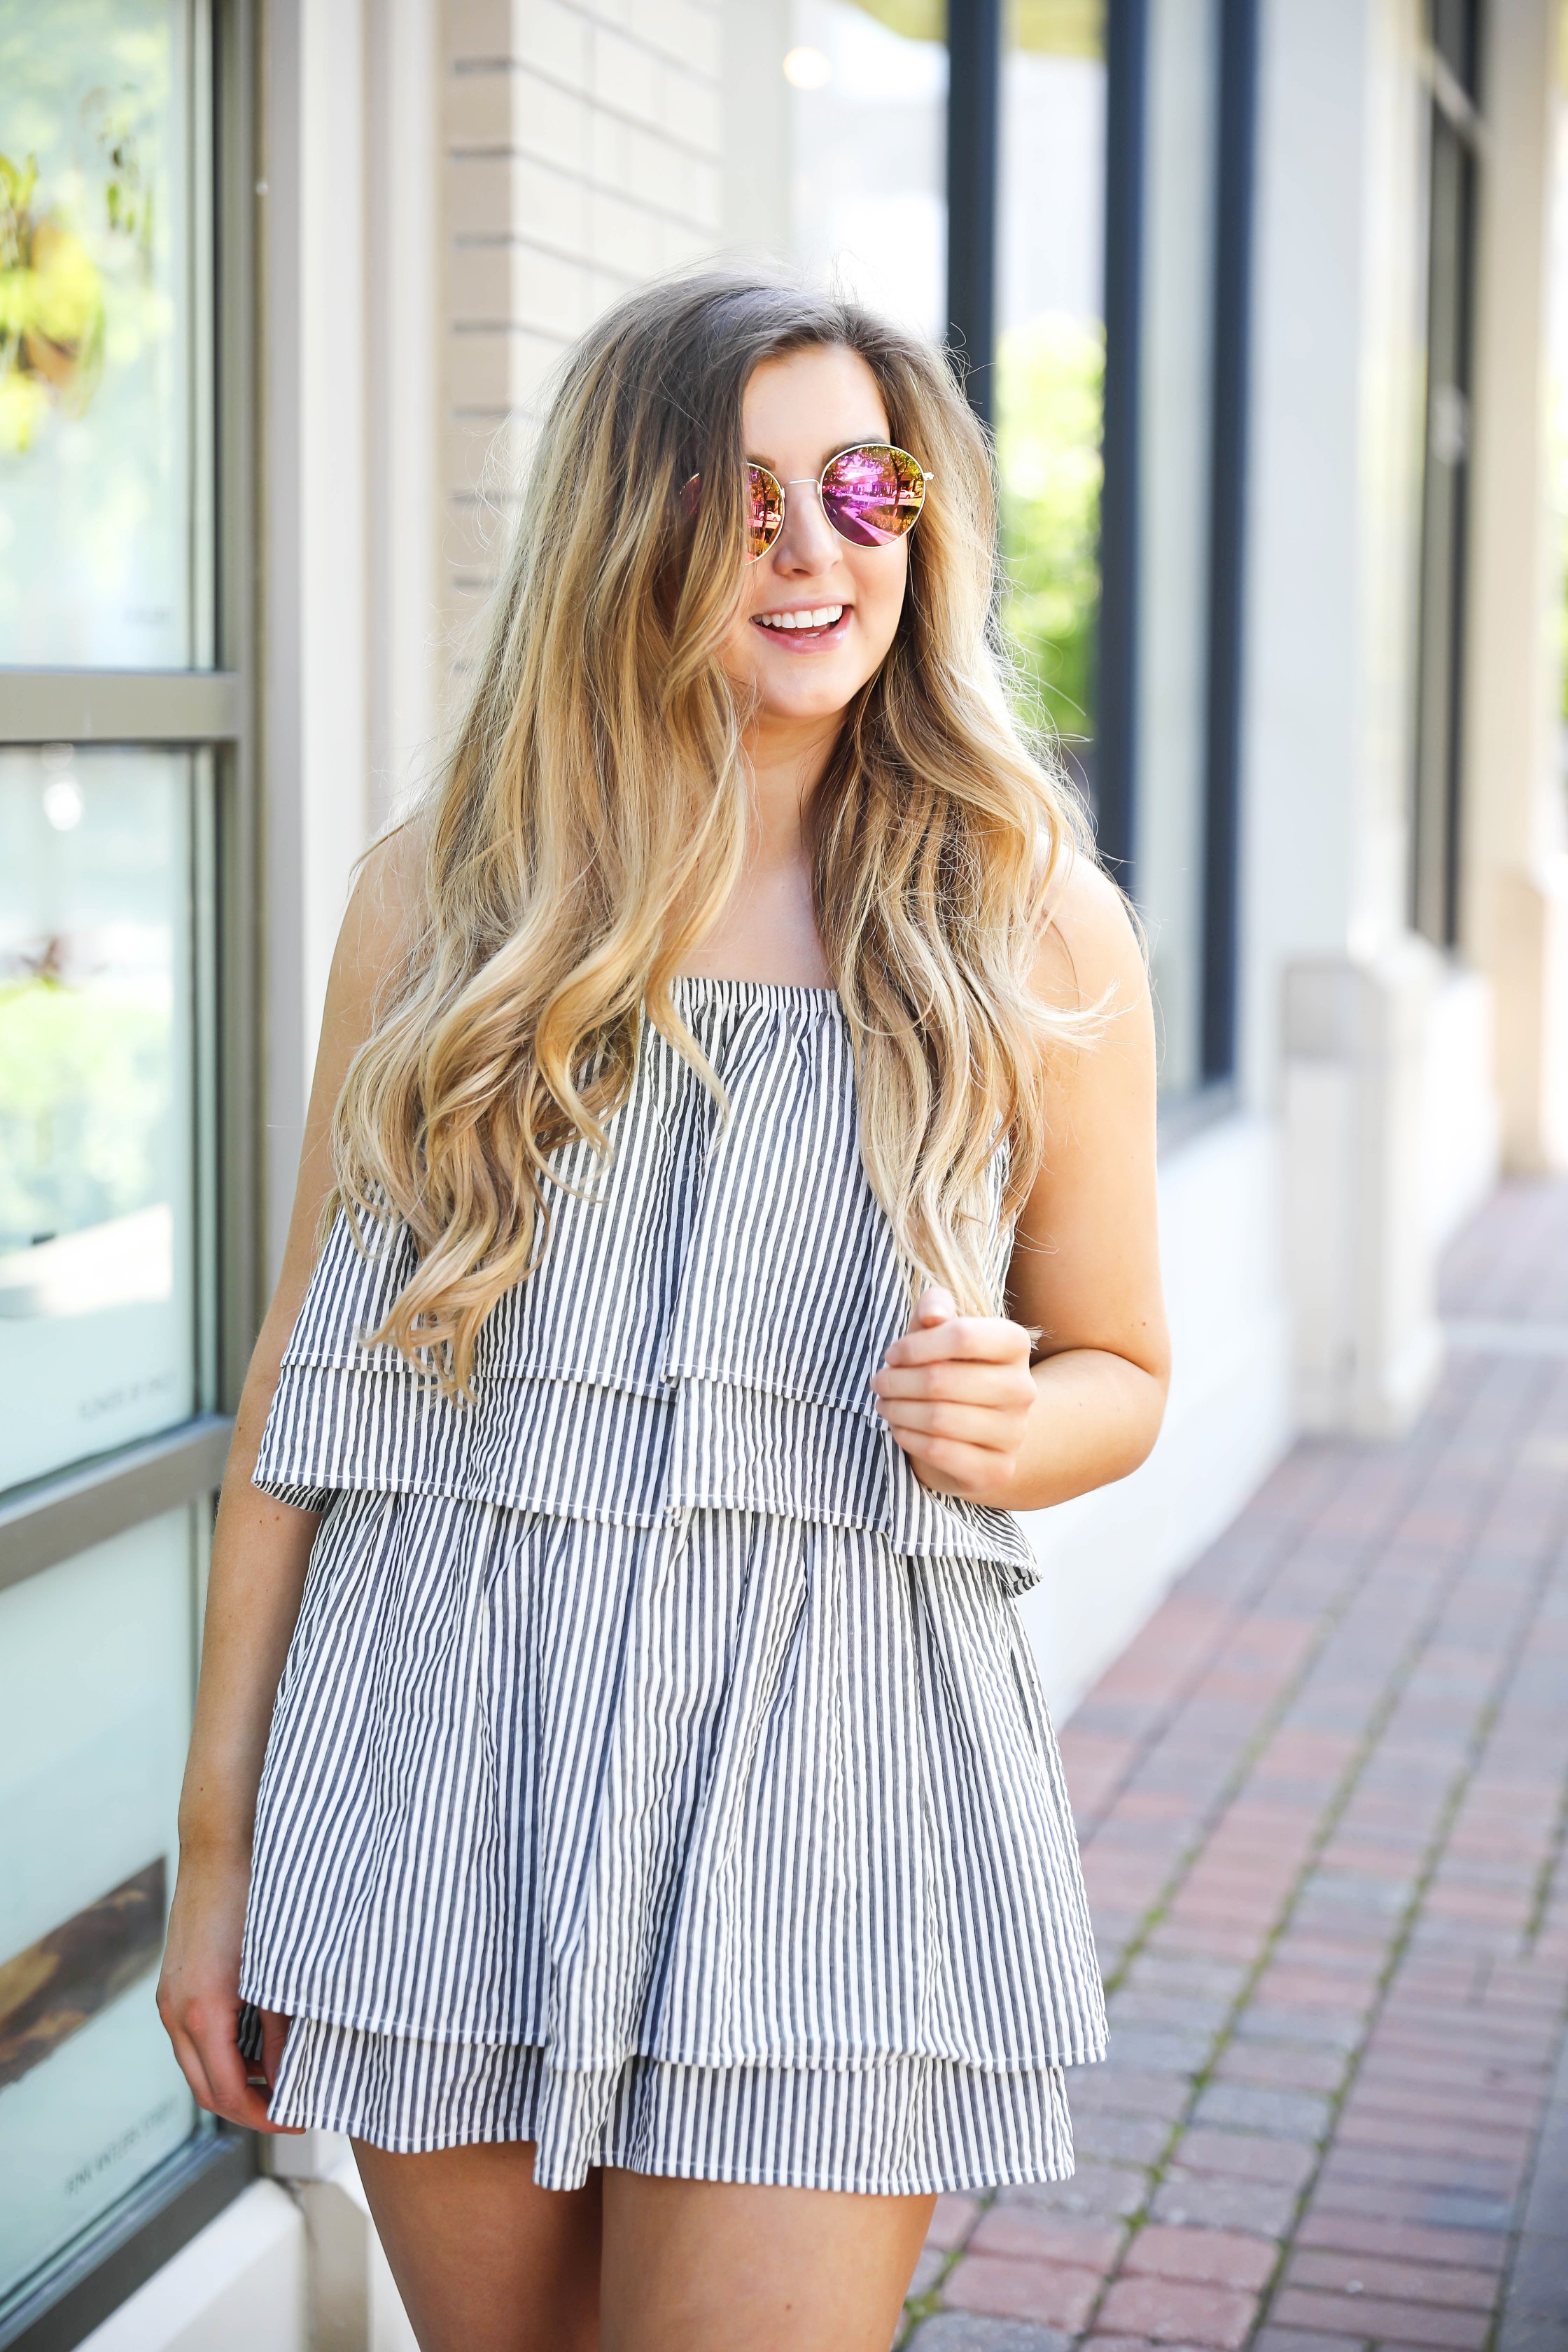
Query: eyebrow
point(754, 458)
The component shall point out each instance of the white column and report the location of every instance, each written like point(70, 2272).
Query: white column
point(402, 397)
point(1515, 908)
point(314, 750)
point(350, 504)
point(1338, 996)
point(354, 2305)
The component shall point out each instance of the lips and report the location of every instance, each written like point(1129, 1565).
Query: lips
point(803, 625)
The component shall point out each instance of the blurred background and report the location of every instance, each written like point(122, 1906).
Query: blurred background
point(1266, 303)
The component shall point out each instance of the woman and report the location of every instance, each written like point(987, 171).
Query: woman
point(733, 1130)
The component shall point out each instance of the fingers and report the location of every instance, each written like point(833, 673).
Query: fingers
point(218, 2075)
point(1000, 1386)
point(969, 1424)
point(198, 1994)
point(234, 2095)
point(191, 2066)
point(216, 2068)
point(934, 1306)
point(948, 1466)
point(956, 1392)
point(979, 1338)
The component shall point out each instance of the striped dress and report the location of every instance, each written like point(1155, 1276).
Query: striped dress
point(659, 1772)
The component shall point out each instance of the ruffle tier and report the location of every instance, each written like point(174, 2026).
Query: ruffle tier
point(735, 1791)
point(700, 1333)
point(893, 2127)
point(577, 1449)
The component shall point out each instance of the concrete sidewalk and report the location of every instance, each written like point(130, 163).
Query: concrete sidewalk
point(1323, 1802)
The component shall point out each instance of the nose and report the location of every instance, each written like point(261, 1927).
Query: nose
point(808, 543)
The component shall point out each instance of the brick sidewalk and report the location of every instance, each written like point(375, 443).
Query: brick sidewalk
point(1321, 1799)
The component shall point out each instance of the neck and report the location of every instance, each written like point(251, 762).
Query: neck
point(787, 759)
point(768, 930)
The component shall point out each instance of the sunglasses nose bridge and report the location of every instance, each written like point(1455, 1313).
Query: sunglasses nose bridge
point(807, 482)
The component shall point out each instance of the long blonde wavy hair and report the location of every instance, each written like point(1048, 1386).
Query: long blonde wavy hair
point(591, 822)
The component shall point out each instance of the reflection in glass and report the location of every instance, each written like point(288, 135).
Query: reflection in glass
point(95, 1695)
point(96, 1136)
point(95, 410)
point(866, 88)
point(1174, 466)
point(1050, 356)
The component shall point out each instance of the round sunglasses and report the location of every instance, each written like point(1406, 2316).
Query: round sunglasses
point(870, 494)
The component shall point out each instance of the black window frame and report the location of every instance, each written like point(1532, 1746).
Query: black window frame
point(1453, 40)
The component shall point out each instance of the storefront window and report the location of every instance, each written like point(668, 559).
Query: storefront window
point(97, 514)
point(95, 1696)
point(97, 1114)
point(119, 950)
point(1175, 432)
point(1050, 357)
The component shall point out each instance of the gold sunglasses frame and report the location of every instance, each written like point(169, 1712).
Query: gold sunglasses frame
point(809, 481)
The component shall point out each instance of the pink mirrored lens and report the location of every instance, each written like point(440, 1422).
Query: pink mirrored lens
point(764, 509)
point(873, 494)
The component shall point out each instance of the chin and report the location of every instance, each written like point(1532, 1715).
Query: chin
point(807, 698)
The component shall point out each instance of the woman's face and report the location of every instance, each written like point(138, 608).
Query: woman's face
point(799, 411)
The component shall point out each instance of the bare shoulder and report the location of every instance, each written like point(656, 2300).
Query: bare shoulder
point(385, 910)
point(381, 926)
point(1089, 952)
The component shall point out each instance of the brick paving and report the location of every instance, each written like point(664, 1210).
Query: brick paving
point(1322, 1800)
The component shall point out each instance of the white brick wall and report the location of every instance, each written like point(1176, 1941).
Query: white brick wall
point(583, 154)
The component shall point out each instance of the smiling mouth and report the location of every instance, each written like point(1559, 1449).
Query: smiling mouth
point(812, 624)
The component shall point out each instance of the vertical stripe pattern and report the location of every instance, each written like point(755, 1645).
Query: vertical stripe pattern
point(894, 2127)
point(652, 1774)
point(709, 1310)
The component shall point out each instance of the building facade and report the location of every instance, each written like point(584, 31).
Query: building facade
point(1254, 296)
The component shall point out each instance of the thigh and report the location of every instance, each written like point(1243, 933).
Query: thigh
point(484, 2261)
point(707, 2266)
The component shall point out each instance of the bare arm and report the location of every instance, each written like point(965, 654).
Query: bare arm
point(260, 1550)
point(974, 1415)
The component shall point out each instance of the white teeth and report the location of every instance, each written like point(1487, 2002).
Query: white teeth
point(822, 617)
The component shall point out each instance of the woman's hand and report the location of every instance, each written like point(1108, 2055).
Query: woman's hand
point(198, 1995)
point(957, 1392)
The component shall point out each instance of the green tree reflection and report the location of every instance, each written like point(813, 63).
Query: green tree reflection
point(1050, 396)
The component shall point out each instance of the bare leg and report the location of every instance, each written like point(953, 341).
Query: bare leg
point(705, 2266)
point(484, 2261)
